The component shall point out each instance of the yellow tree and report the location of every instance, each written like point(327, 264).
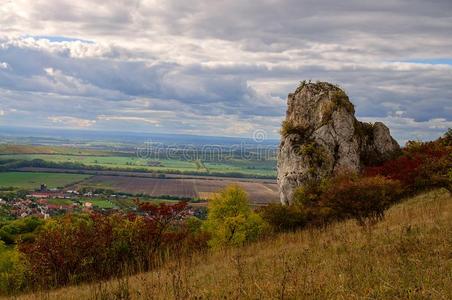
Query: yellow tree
point(231, 221)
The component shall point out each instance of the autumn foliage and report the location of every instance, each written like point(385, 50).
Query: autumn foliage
point(231, 221)
point(421, 165)
point(364, 199)
point(80, 248)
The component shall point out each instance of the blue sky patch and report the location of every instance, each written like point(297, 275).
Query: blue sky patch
point(437, 61)
point(56, 38)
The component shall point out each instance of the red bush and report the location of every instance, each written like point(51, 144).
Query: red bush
point(421, 165)
point(404, 168)
point(78, 248)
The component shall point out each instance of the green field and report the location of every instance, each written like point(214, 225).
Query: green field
point(60, 201)
point(22, 180)
point(125, 203)
point(100, 203)
point(245, 167)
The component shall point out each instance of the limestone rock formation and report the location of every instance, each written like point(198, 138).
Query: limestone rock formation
point(321, 136)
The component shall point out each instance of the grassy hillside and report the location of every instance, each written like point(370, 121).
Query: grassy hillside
point(406, 256)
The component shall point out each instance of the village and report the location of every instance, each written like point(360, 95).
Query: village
point(45, 202)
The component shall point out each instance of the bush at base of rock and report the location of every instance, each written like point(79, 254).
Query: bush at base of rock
point(284, 217)
point(364, 199)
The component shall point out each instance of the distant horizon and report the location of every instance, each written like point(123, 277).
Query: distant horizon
point(143, 134)
point(29, 131)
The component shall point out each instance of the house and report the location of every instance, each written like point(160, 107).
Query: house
point(40, 195)
point(48, 194)
point(42, 202)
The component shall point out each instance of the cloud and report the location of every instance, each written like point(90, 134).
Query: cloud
point(128, 119)
point(130, 65)
point(64, 47)
point(72, 121)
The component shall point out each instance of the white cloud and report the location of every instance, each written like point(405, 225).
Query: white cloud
point(4, 66)
point(75, 48)
point(129, 119)
point(72, 121)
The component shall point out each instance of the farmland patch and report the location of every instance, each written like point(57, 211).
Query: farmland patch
point(259, 192)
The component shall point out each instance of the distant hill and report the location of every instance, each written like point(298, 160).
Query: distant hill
point(405, 256)
point(53, 136)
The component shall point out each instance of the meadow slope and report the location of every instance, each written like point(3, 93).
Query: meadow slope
point(406, 256)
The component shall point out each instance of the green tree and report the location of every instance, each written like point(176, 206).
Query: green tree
point(12, 270)
point(231, 221)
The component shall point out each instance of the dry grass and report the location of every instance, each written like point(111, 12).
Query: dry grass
point(340, 99)
point(406, 256)
point(288, 127)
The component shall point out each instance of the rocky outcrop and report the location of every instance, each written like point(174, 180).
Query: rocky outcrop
point(321, 136)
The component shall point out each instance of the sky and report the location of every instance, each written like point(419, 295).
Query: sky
point(222, 68)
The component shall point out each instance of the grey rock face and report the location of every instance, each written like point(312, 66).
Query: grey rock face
point(321, 136)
